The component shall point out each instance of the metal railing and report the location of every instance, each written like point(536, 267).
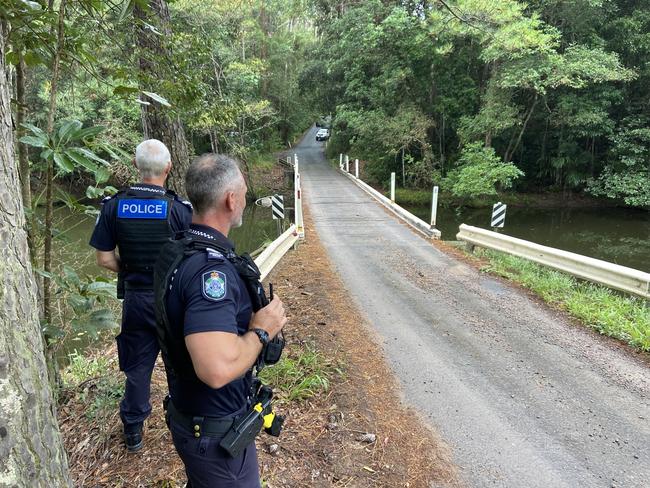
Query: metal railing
point(415, 222)
point(272, 254)
point(595, 270)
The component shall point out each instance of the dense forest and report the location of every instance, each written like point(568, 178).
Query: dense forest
point(475, 96)
point(546, 94)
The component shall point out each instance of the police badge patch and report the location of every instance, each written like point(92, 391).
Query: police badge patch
point(214, 285)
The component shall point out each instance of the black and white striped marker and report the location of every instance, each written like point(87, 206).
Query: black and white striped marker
point(498, 215)
point(277, 205)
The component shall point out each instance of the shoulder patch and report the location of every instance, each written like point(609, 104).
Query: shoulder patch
point(214, 285)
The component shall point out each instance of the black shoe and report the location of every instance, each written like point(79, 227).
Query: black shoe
point(133, 438)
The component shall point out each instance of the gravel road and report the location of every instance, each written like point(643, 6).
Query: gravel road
point(524, 397)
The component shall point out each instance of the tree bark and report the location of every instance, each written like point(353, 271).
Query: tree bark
point(510, 152)
point(157, 121)
point(31, 450)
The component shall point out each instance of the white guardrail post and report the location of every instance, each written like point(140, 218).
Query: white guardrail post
point(356, 168)
point(434, 206)
point(392, 187)
point(347, 163)
point(297, 211)
point(602, 272)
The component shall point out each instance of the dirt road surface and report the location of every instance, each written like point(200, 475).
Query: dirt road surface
point(524, 397)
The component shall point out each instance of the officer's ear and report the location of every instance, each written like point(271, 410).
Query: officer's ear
point(231, 201)
point(168, 168)
point(134, 164)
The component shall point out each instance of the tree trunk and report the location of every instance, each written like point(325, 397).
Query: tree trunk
point(31, 450)
point(510, 152)
point(157, 121)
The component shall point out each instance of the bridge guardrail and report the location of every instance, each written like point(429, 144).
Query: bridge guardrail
point(419, 224)
point(272, 254)
point(602, 272)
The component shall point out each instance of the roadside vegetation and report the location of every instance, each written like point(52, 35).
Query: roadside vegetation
point(610, 313)
point(480, 97)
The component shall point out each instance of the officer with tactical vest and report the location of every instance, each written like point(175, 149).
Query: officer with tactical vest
point(214, 325)
point(138, 221)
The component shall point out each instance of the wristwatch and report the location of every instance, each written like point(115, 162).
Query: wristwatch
point(262, 335)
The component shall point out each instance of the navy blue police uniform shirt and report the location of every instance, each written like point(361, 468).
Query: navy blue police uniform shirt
point(104, 237)
point(206, 295)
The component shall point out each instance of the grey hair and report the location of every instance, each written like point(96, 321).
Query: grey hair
point(151, 158)
point(209, 178)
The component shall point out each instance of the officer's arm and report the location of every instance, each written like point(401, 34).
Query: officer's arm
point(108, 260)
point(221, 357)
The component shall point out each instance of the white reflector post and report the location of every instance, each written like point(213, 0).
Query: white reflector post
point(392, 187)
point(341, 161)
point(434, 206)
point(347, 163)
point(356, 168)
point(498, 215)
point(297, 211)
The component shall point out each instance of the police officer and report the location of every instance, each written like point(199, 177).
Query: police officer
point(138, 221)
point(216, 338)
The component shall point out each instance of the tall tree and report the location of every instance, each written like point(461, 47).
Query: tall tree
point(153, 30)
point(31, 451)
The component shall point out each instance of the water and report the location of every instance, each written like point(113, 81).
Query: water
point(617, 235)
point(74, 229)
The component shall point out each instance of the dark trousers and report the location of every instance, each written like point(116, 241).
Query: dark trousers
point(207, 465)
point(137, 348)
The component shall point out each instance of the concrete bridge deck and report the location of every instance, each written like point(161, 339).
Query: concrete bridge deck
point(524, 397)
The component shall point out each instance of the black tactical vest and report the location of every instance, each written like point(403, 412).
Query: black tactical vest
point(172, 342)
point(143, 227)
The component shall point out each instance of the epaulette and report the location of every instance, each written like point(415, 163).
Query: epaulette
point(178, 199)
point(110, 197)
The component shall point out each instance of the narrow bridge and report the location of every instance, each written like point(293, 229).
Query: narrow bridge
point(524, 397)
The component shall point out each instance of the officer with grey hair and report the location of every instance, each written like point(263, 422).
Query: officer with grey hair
point(213, 322)
point(138, 221)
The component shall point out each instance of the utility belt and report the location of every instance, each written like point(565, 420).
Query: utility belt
point(239, 431)
point(199, 426)
point(128, 286)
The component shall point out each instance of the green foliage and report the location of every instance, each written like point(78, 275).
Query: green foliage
point(480, 173)
point(300, 376)
point(548, 85)
point(88, 303)
point(94, 382)
point(68, 148)
point(610, 313)
point(627, 176)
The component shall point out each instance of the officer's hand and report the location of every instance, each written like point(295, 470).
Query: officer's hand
point(270, 318)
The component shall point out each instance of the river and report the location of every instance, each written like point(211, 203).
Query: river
point(73, 230)
point(614, 234)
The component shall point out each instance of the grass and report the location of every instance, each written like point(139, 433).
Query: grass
point(95, 382)
point(610, 313)
point(301, 375)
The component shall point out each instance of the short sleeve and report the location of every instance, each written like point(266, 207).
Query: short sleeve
point(181, 216)
point(103, 237)
point(211, 300)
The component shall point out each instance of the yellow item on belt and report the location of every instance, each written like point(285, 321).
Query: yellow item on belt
point(268, 420)
point(258, 408)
